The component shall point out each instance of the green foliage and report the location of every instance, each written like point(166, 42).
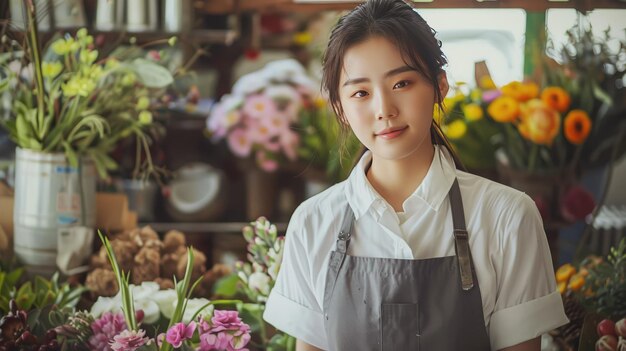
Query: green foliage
point(322, 143)
point(68, 99)
point(607, 282)
point(40, 293)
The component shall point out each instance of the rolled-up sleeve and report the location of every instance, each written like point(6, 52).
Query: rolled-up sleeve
point(528, 303)
point(292, 306)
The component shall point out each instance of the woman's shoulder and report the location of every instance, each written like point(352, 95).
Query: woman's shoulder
point(502, 201)
point(322, 209)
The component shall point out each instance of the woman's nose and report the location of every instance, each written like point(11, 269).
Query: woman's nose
point(385, 107)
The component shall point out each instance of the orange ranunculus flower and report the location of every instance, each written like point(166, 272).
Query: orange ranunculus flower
point(521, 92)
point(504, 109)
point(539, 123)
point(576, 282)
point(556, 97)
point(577, 126)
point(565, 272)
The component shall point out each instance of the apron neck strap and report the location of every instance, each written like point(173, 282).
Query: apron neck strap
point(343, 239)
point(461, 237)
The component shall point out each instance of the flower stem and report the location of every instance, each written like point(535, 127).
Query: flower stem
point(34, 47)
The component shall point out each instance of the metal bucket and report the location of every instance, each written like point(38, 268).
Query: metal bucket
point(47, 198)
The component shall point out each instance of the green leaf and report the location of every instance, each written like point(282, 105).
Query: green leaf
point(151, 74)
point(226, 286)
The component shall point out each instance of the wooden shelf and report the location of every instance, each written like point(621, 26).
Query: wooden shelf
point(236, 6)
point(205, 227)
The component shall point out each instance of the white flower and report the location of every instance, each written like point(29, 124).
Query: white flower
point(260, 282)
point(150, 309)
point(282, 91)
point(105, 304)
point(144, 291)
point(166, 299)
point(194, 305)
point(284, 70)
point(243, 277)
point(250, 83)
point(272, 270)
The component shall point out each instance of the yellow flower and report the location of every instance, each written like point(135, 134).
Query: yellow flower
point(577, 126)
point(51, 69)
point(476, 94)
point(95, 73)
point(81, 33)
point(455, 129)
point(63, 47)
point(319, 102)
point(473, 112)
point(145, 117)
point(78, 86)
point(143, 103)
point(556, 97)
point(128, 79)
point(172, 41)
point(111, 63)
point(504, 109)
point(302, 38)
point(521, 91)
point(486, 83)
point(88, 56)
point(539, 123)
point(565, 272)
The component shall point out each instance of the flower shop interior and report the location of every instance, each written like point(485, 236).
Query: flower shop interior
point(152, 153)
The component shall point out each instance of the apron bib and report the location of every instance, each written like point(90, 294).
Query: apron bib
point(401, 304)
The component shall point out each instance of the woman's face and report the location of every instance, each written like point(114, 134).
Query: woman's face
point(388, 105)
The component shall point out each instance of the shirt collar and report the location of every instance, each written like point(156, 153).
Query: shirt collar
point(432, 191)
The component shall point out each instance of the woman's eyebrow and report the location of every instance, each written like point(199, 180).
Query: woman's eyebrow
point(387, 75)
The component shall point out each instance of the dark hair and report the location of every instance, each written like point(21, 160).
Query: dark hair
point(399, 23)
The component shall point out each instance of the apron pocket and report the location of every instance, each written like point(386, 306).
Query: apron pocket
point(399, 326)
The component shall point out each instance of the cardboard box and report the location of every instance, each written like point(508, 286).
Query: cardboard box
point(111, 211)
point(6, 215)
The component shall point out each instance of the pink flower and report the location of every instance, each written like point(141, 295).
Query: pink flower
point(226, 331)
point(490, 95)
point(289, 141)
point(129, 340)
point(259, 106)
point(266, 164)
point(258, 131)
point(179, 333)
point(154, 55)
point(104, 329)
point(240, 142)
point(277, 123)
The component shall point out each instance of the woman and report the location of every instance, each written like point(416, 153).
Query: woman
point(409, 252)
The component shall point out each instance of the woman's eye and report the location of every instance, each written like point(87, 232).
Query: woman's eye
point(401, 84)
point(360, 93)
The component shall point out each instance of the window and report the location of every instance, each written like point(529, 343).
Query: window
point(470, 35)
point(558, 21)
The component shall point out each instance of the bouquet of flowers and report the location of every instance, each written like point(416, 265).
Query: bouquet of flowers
point(68, 99)
point(258, 117)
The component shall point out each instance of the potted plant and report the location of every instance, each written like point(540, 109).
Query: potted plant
point(69, 107)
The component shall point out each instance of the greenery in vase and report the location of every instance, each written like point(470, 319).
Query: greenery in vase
point(71, 100)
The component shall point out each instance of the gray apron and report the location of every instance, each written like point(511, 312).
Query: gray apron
point(399, 304)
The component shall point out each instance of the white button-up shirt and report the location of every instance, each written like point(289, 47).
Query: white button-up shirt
point(508, 243)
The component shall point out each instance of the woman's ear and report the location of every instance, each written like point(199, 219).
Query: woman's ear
point(443, 85)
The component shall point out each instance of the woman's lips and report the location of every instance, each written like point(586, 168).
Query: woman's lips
point(391, 133)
